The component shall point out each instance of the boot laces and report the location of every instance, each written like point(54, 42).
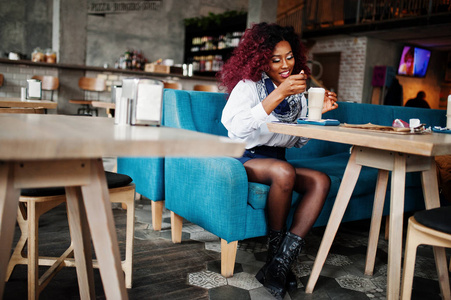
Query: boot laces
point(286, 260)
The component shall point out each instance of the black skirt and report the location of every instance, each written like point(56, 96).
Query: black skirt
point(263, 152)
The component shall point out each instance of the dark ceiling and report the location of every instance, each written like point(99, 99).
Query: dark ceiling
point(436, 37)
point(429, 32)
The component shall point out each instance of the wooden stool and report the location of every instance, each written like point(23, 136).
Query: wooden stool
point(429, 227)
point(172, 85)
point(49, 83)
point(35, 202)
point(88, 84)
point(206, 88)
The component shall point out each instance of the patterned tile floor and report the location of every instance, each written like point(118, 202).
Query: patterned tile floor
point(341, 277)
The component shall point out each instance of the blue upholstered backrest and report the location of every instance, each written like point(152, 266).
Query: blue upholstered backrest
point(194, 110)
point(430, 117)
point(361, 113)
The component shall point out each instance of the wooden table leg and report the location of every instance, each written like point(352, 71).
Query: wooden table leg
point(396, 220)
point(9, 201)
point(81, 239)
point(341, 203)
point(33, 252)
point(376, 219)
point(430, 186)
point(103, 232)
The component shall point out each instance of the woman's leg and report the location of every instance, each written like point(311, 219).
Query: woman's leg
point(281, 177)
point(315, 186)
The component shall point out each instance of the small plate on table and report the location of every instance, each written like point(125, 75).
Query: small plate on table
point(322, 122)
point(441, 129)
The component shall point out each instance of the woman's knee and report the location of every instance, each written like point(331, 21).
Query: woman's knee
point(284, 175)
point(312, 180)
point(322, 181)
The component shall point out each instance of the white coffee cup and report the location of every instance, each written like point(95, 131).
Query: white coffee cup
point(414, 123)
point(315, 103)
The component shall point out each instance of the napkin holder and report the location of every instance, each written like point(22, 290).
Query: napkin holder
point(116, 92)
point(141, 102)
point(34, 89)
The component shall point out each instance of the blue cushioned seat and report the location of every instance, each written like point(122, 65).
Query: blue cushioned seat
point(148, 177)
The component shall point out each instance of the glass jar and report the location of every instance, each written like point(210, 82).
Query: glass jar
point(37, 55)
point(50, 56)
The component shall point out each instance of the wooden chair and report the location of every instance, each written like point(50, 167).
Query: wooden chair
point(35, 202)
point(49, 83)
point(172, 85)
point(1, 79)
point(206, 88)
point(89, 84)
point(429, 227)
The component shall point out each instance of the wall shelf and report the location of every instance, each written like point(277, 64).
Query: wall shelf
point(208, 48)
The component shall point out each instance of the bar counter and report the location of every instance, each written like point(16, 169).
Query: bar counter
point(16, 73)
point(102, 70)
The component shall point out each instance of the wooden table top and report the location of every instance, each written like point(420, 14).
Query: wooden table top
point(426, 144)
point(17, 102)
point(61, 137)
point(101, 104)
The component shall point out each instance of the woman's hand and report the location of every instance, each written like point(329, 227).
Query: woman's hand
point(330, 101)
point(294, 84)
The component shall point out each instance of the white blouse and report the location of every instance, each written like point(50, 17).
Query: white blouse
point(245, 119)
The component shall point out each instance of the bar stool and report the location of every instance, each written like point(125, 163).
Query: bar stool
point(89, 84)
point(206, 88)
point(428, 227)
point(35, 202)
point(49, 83)
point(172, 85)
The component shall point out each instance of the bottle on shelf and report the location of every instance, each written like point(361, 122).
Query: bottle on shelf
point(202, 64)
point(207, 48)
point(131, 60)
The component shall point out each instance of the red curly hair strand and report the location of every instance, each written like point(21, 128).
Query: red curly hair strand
point(253, 54)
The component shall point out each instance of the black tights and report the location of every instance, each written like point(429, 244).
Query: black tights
point(283, 179)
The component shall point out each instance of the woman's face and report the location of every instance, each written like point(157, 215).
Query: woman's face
point(281, 63)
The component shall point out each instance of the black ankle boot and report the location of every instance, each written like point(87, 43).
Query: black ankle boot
point(277, 270)
point(275, 238)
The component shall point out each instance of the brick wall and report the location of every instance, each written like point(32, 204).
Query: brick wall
point(15, 77)
point(352, 64)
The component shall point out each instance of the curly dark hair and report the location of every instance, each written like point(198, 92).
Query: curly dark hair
point(254, 52)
